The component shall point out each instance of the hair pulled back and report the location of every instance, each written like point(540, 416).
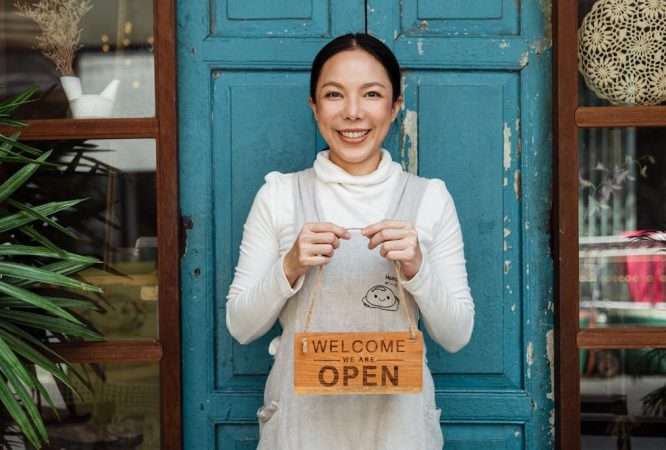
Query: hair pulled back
point(376, 48)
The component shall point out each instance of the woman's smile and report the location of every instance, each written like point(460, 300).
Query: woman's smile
point(353, 136)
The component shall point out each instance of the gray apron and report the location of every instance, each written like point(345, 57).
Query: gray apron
point(358, 292)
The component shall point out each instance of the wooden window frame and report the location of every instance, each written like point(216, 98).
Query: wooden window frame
point(568, 118)
point(163, 129)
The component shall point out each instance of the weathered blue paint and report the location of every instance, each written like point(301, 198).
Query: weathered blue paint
point(477, 114)
point(477, 78)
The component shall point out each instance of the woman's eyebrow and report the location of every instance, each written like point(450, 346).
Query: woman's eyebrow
point(365, 86)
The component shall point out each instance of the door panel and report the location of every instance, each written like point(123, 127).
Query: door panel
point(244, 82)
point(476, 88)
point(261, 123)
point(455, 17)
point(476, 109)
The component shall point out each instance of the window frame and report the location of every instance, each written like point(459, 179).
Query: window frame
point(568, 119)
point(163, 129)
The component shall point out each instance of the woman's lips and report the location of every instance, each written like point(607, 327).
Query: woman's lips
point(353, 136)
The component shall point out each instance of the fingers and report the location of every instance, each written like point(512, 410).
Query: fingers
point(408, 235)
point(324, 227)
point(401, 250)
point(370, 230)
point(322, 238)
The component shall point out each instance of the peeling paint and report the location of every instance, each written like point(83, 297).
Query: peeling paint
point(516, 433)
point(507, 232)
point(519, 147)
point(507, 266)
point(419, 46)
point(410, 130)
point(516, 183)
point(504, 44)
point(506, 182)
point(524, 58)
point(513, 308)
point(507, 146)
point(529, 357)
point(550, 354)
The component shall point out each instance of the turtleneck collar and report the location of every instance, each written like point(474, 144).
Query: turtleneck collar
point(328, 172)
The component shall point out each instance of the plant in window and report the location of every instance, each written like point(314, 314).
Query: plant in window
point(29, 264)
point(612, 181)
point(59, 23)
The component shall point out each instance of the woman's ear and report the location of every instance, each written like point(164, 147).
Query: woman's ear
point(395, 109)
point(313, 105)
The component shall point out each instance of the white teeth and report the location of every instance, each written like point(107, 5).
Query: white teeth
point(354, 134)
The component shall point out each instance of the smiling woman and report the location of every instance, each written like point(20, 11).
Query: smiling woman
point(386, 238)
point(354, 103)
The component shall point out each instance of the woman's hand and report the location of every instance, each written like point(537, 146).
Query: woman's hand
point(399, 242)
point(314, 246)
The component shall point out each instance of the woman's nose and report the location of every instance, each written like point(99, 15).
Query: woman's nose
point(353, 108)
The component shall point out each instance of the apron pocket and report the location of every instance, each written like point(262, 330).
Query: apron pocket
point(434, 437)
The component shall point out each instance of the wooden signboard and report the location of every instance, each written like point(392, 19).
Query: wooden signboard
point(358, 363)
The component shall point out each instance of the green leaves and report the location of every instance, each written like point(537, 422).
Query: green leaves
point(26, 314)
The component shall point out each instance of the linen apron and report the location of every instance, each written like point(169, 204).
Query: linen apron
point(358, 292)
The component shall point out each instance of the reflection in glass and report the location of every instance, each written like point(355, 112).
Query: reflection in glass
point(122, 411)
point(623, 399)
point(116, 42)
point(117, 224)
point(622, 216)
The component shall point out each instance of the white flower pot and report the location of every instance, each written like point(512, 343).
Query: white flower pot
point(89, 106)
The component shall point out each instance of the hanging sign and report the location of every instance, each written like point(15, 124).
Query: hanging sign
point(358, 363)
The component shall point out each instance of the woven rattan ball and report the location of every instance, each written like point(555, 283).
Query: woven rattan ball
point(622, 51)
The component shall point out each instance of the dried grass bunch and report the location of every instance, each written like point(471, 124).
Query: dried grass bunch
point(59, 22)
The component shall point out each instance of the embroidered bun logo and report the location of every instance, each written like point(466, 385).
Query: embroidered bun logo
point(381, 297)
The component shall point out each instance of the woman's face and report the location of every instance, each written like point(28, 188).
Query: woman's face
point(354, 109)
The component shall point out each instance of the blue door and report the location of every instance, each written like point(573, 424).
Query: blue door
point(477, 114)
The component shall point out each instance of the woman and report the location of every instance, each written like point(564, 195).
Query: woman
point(356, 213)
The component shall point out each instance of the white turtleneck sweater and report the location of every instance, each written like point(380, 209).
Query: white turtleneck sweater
point(260, 288)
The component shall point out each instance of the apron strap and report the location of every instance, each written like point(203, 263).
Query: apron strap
point(306, 208)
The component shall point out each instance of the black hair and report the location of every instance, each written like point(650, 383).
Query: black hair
point(351, 41)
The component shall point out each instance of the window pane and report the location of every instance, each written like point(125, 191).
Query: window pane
point(116, 43)
point(620, 53)
point(121, 412)
point(116, 223)
point(622, 201)
point(623, 399)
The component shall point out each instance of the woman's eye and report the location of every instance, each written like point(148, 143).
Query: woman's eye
point(373, 94)
point(332, 94)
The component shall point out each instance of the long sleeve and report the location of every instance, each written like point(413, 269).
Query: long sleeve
point(440, 287)
point(260, 288)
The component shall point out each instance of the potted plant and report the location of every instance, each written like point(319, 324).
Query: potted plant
point(29, 262)
point(59, 41)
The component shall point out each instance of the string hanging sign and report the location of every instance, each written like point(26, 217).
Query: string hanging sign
point(334, 363)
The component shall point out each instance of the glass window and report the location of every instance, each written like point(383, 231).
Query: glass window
point(117, 223)
point(121, 411)
point(622, 201)
point(116, 43)
point(623, 399)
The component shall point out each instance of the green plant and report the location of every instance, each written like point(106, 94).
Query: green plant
point(29, 265)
